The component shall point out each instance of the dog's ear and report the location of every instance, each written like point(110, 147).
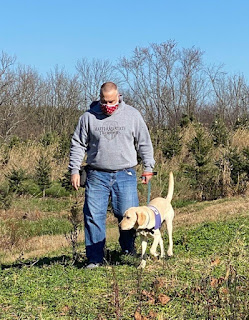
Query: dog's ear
point(140, 218)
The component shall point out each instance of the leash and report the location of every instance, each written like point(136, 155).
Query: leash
point(149, 184)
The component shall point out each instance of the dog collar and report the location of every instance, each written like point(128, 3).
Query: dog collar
point(158, 220)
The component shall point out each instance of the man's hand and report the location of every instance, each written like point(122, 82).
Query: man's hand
point(146, 176)
point(75, 181)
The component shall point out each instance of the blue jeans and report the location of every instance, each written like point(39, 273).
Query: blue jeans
point(121, 188)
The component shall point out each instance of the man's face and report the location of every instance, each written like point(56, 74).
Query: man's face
point(109, 97)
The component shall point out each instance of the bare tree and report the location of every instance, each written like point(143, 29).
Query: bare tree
point(7, 94)
point(193, 81)
point(6, 75)
point(28, 96)
point(149, 75)
point(92, 75)
point(238, 98)
point(230, 95)
point(162, 81)
point(165, 82)
point(63, 99)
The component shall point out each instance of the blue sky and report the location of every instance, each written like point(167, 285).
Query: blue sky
point(46, 33)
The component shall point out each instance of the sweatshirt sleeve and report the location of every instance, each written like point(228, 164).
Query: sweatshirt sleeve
point(79, 144)
point(144, 144)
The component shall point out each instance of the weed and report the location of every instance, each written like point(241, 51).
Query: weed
point(116, 303)
point(75, 218)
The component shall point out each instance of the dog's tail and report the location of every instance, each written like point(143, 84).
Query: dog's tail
point(171, 186)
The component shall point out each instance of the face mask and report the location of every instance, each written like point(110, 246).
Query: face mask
point(109, 109)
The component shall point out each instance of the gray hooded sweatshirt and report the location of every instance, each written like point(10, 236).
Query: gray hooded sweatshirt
point(111, 142)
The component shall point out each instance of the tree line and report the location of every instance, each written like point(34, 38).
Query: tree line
point(164, 82)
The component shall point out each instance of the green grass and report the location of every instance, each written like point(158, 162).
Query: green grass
point(45, 226)
point(207, 277)
point(42, 204)
point(180, 203)
point(210, 238)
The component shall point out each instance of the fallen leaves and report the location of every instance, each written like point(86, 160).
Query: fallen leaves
point(149, 296)
point(151, 315)
point(214, 282)
point(215, 262)
point(163, 298)
point(152, 298)
point(138, 316)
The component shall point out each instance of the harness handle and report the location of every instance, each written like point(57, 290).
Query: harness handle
point(148, 174)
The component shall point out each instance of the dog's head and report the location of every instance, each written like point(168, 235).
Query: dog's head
point(133, 218)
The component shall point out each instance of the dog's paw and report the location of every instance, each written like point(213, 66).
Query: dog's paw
point(154, 254)
point(170, 253)
point(142, 264)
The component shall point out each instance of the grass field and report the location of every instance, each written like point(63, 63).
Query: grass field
point(207, 278)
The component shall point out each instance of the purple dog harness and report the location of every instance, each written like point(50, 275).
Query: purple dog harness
point(157, 217)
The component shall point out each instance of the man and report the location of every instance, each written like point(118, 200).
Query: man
point(110, 133)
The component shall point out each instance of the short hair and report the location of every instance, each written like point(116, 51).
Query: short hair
point(108, 86)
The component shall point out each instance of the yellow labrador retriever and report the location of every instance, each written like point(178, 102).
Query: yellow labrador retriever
point(147, 221)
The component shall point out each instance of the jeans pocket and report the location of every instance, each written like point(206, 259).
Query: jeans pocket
point(130, 172)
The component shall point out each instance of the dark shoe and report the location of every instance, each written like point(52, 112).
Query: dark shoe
point(130, 253)
point(92, 265)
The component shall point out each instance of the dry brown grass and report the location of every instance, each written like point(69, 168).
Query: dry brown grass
point(31, 215)
point(218, 210)
point(41, 246)
point(240, 139)
point(37, 247)
point(25, 156)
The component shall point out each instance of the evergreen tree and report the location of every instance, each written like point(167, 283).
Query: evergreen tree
point(43, 174)
point(202, 171)
point(219, 132)
point(15, 180)
point(172, 145)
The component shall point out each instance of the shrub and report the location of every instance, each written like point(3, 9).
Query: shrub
point(5, 155)
point(29, 186)
point(63, 147)
point(56, 190)
point(239, 166)
point(186, 120)
point(66, 182)
point(15, 141)
point(48, 139)
point(6, 197)
point(242, 122)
